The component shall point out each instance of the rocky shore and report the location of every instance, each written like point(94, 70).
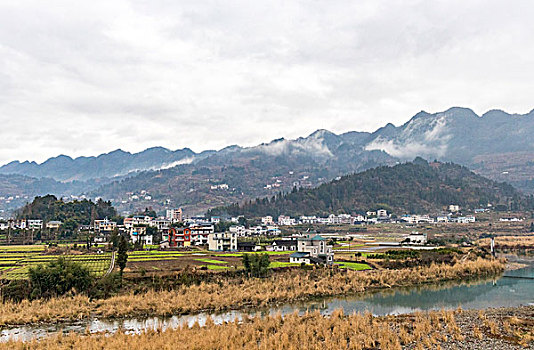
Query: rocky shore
point(502, 328)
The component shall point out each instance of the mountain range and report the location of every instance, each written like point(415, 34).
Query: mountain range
point(496, 145)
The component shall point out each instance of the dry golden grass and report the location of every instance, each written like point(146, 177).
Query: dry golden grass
point(509, 241)
point(310, 331)
point(284, 287)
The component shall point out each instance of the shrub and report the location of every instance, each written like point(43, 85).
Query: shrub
point(106, 286)
point(58, 278)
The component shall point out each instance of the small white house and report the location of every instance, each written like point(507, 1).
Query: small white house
point(382, 213)
point(453, 208)
point(267, 220)
point(416, 238)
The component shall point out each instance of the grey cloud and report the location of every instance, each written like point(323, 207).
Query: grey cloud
point(83, 78)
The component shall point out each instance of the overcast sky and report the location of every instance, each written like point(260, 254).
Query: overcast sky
point(88, 77)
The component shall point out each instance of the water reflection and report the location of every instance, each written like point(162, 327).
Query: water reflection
point(504, 292)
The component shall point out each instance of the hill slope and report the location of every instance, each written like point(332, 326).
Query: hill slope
point(417, 187)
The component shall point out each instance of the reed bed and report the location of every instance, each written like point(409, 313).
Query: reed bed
point(525, 242)
point(428, 330)
point(287, 286)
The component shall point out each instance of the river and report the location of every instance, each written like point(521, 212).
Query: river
point(503, 291)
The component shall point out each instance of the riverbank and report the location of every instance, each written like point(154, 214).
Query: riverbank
point(506, 328)
point(287, 286)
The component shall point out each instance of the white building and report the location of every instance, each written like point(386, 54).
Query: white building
point(141, 220)
point(105, 225)
point(510, 220)
point(465, 219)
point(160, 224)
point(344, 219)
point(453, 208)
point(312, 249)
point(382, 213)
point(267, 220)
point(358, 219)
point(35, 224)
point(308, 219)
point(138, 233)
point(258, 230)
point(286, 221)
point(200, 233)
point(334, 220)
point(222, 241)
point(442, 219)
point(239, 230)
point(416, 238)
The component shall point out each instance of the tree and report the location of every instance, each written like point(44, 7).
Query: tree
point(256, 265)
point(122, 257)
point(115, 238)
point(246, 262)
point(58, 278)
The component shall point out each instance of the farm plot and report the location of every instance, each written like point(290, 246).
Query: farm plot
point(17, 266)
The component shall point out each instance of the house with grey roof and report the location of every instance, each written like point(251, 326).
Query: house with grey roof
point(312, 249)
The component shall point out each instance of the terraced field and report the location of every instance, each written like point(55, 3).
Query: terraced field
point(15, 262)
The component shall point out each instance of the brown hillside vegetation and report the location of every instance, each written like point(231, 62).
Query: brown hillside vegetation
point(241, 293)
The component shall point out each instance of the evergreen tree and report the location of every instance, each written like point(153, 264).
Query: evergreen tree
point(115, 238)
point(122, 257)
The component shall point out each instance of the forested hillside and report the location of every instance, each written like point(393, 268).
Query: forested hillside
point(72, 214)
point(417, 187)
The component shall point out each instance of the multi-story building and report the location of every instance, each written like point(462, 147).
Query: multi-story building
point(174, 215)
point(267, 220)
point(240, 230)
point(222, 241)
point(382, 213)
point(104, 225)
point(160, 224)
point(187, 236)
point(281, 245)
point(138, 233)
point(286, 221)
point(35, 224)
point(141, 220)
point(313, 249)
point(308, 219)
point(416, 238)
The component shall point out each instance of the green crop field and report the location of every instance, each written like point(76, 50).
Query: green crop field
point(353, 266)
point(216, 267)
point(275, 264)
point(17, 265)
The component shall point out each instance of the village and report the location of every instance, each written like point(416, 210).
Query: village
point(301, 238)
